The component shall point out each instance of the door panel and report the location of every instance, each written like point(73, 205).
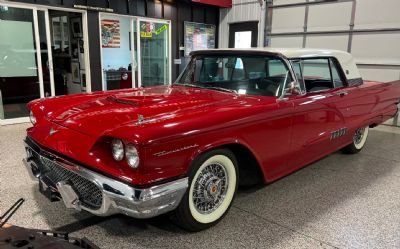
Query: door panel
point(316, 117)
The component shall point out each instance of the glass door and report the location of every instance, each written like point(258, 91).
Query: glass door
point(20, 61)
point(154, 52)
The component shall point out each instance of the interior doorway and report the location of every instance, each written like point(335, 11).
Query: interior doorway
point(68, 53)
point(243, 35)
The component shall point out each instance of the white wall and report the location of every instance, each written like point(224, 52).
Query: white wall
point(241, 11)
point(377, 53)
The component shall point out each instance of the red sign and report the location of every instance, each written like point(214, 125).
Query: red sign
point(220, 3)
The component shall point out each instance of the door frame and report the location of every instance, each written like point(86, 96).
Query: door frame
point(135, 20)
point(35, 8)
point(132, 21)
point(36, 40)
point(144, 19)
point(243, 26)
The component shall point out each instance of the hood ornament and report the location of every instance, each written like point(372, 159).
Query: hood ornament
point(140, 119)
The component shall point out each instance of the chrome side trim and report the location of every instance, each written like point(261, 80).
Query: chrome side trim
point(118, 197)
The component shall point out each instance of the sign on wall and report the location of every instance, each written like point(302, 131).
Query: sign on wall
point(110, 33)
point(198, 36)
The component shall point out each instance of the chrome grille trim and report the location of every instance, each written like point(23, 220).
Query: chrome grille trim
point(89, 193)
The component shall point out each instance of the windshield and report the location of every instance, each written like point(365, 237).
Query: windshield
point(253, 75)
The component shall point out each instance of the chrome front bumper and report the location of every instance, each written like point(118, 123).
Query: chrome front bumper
point(117, 197)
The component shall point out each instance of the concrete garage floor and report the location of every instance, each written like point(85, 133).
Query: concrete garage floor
point(340, 201)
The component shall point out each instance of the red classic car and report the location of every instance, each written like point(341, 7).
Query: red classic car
point(232, 117)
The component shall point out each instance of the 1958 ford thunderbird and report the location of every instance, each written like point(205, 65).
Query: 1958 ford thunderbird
point(232, 117)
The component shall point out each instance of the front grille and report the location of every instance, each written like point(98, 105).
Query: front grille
point(89, 194)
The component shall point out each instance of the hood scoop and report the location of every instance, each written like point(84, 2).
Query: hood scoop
point(122, 101)
point(139, 100)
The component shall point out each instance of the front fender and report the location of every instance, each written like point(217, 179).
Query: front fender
point(225, 142)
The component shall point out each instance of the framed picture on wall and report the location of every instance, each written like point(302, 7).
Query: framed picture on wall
point(198, 36)
point(76, 26)
point(76, 76)
point(74, 49)
point(83, 82)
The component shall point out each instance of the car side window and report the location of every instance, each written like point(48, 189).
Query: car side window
point(318, 74)
point(337, 80)
point(297, 65)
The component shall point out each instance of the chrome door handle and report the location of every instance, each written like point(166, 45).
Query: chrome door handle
point(342, 93)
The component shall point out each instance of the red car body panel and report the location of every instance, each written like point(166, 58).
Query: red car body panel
point(181, 123)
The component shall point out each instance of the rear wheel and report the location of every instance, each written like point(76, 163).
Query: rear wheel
point(359, 140)
point(212, 185)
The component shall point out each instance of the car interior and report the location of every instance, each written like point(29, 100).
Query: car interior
point(253, 75)
point(264, 76)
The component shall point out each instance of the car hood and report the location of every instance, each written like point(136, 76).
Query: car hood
point(111, 110)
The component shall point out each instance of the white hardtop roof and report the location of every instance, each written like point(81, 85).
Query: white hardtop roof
point(292, 52)
point(345, 59)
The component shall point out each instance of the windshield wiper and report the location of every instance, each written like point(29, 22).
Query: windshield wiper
point(221, 89)
point(189, 85)
point(207, 87)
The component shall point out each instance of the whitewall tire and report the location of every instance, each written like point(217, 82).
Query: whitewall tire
point(213, 181)
point(359, 140)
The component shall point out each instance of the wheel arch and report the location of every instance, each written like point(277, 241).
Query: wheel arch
point(250, 170)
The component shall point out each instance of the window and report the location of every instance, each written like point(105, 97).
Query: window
point(253, 75)
point(337, 81)
point(297, 70)
point(317, 69)
point(317, 74)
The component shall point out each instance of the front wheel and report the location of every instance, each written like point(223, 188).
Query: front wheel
point(359, 140)
point(213, 181)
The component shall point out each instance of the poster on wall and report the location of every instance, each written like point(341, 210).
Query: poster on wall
point(147, 29)
point(110, 34)
point(198, 36)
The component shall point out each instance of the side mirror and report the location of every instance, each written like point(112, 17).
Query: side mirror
point(291, 89)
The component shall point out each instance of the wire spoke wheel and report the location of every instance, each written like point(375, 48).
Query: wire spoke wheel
point(358, 136)
point(210, 188)
point(359, 140)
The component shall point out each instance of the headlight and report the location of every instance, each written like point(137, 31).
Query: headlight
point(117, 149)
point(32, 118)
point(132, 156)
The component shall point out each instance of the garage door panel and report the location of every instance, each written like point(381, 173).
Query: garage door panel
point(287, 42)
point(282, 2)
point(371, 15)
point(339, 42)
point(377, 48)
point(288, 20)
point(327, 17)
point(379, 73)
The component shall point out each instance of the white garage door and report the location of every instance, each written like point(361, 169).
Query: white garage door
point(369, 29)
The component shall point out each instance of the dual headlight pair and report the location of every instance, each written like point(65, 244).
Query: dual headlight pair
point(129, 151)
